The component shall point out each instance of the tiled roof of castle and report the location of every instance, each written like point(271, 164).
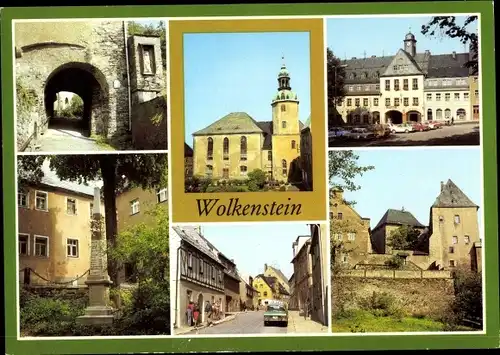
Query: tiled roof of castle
point(240, 123)
point(398, 217)
point(452, 196)
point(272, 281)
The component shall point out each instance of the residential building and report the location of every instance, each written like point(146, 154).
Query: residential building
point(302, 270)
point(249, 296)
point(188, 161)
point(319, 269)
point(349, 228)
point(197, 274)
point(293, 302)
point(269, 288)
point(474, 96)
point(272, 271)
point(54, 230)
point(237, 144)
point(231, 284)
point(407, 86)
point(306, 160)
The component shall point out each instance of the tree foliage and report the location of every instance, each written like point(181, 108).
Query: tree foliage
point(135, 28)
point(343, 168)
point(448, 26)
point(404, 238)
point(335, 79)
point(467, 304)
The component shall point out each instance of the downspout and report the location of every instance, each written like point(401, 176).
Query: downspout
point(128, 76)
point(177, 288)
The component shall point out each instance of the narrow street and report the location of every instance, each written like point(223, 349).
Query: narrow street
point(60, 140)
point(253, 323)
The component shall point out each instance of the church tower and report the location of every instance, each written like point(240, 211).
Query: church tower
point(286, 127)
point(410, 44)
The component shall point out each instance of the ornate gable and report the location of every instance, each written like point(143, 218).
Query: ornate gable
point(402, 64)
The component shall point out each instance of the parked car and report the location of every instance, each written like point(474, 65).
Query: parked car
point(276, 314)
point(435, 124)
point(399, 128)
point(417, 126)
point(360, 133)
point(337, 132)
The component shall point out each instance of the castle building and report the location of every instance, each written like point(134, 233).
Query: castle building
point(450, 240)
point(237, 144)
point(408, 86)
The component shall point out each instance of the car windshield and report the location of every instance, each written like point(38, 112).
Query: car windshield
point(275, 309)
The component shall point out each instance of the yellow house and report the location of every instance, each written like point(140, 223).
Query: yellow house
point(271, 271)
point(54, 234)
point(237, 144)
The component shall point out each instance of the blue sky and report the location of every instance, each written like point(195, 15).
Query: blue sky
point(411, 178)
point(237, 72)
point(252, 246)
point(385, 35)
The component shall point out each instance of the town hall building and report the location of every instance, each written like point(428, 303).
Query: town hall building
point(408, 86)
point(237, 144)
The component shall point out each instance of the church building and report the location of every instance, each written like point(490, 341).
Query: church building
point(237, 144)
point(408, 86)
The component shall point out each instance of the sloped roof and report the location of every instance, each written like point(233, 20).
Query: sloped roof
point(280, 274)
point(452, 196)
point(398, 217)
point(50, 178)
point(188, 151)
point(448, 65)
point(234, 122)
point(190, 235)
point(272, 281)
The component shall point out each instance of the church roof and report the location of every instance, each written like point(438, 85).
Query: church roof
point(398, 217)
point(234, 122)
point(452, 196)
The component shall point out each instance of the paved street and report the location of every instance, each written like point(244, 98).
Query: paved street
point(460, 134)
point(60, 140)
point(253, 323)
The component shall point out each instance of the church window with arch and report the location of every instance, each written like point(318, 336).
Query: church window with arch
point(283, 124)
point(283, 167)
point(243, 148)
point(283, 108)
point(294, 144)
point(210, 148)
point(225, 148)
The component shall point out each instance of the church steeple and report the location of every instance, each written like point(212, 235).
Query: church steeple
point(283, 77)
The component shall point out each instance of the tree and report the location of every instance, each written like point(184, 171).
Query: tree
point(115, 170)
point(138, 29)
point(76, 106)
point(257, 177)
point(404, 238)
point(467, 304)
point(448, 26)
point(343, 168)
point(335, 79)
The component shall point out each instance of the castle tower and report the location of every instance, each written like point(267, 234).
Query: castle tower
point(455, 230)
point(286, 126)
point(410, 44)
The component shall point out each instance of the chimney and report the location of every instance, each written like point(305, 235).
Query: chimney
point(265, 267)
point(442, 186)
point(427, 52)
point(454, 55)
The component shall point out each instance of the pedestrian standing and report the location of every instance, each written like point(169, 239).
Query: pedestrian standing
point(196, 315)
point(189, 314)
point(306, 309)
point(452, 120)
point(208, 311)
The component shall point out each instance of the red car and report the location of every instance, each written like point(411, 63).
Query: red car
point(420, 127)
point(435, 124)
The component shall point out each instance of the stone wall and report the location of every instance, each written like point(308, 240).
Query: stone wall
point(149, 124)
point(428, 294)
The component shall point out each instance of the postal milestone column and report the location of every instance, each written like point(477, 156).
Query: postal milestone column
point(99, 311)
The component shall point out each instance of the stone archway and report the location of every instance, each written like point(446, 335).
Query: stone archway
point(394, 116)
point(90, 84)
point(414, 116)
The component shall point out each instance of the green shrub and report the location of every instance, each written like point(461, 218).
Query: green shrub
point(282, 188)
point(395, 262)
point(377, 300)
point(258, 178)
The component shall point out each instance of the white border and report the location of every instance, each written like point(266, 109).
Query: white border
point(166, 20)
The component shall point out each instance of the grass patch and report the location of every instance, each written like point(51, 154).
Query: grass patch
point(361, 321)
point(102, 142)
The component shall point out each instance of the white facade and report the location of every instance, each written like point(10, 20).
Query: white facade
point(447, 98)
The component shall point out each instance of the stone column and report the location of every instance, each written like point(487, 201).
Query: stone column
point(99, 311)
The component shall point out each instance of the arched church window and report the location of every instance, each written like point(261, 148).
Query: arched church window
point(283, 167)
point(243, 148)
point(283, 124)
point(225, 148)
point(293, 144)
point(210, 148)
point(283, 108)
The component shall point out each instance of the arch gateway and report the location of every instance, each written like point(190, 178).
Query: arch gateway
point(111, 71)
